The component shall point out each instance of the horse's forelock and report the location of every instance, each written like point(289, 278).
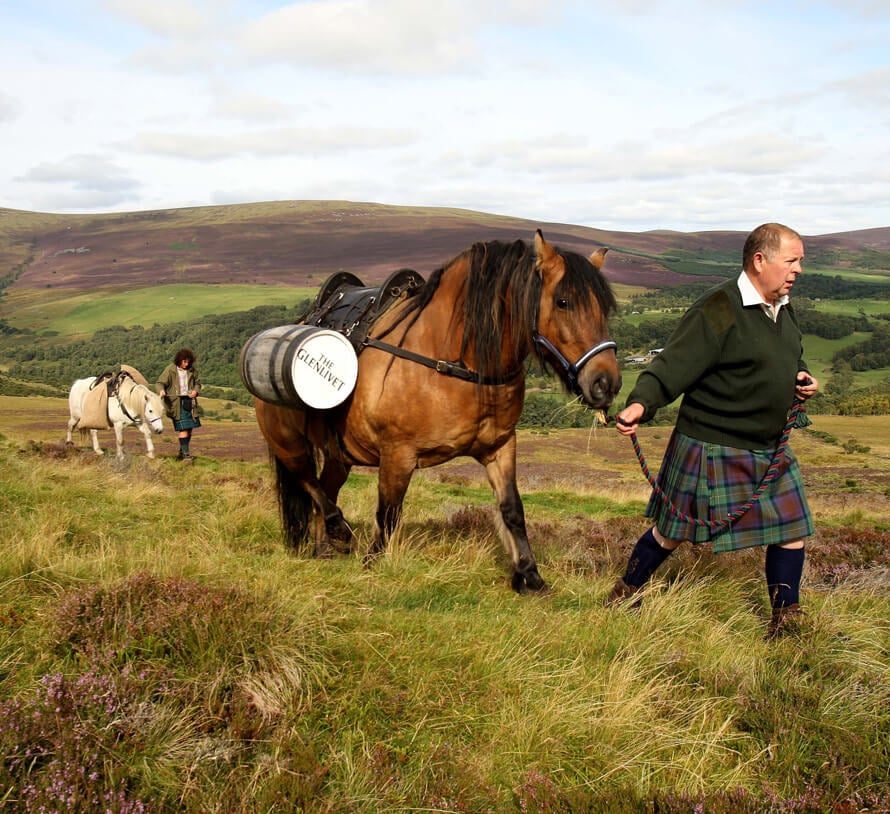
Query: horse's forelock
point(492, 270)
point(582, 278)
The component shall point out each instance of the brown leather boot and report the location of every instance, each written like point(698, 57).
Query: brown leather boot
point(784, 622)
point(621, 592)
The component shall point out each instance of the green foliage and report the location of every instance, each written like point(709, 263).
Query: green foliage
point(216, 340)
point(872, 354)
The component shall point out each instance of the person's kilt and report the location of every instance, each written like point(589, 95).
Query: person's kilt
point(709, 481)
point(186, 421)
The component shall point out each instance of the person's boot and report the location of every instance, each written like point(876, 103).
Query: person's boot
point(621, 592)
point(785, 621)
point(644, 560)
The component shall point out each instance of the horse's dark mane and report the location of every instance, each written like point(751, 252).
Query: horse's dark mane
point(496, 269)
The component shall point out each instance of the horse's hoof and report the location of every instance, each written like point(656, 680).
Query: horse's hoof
point(528, 581)
point(341, 537)
point(370, 558)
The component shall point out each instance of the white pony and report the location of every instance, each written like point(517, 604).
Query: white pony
point(128, 403)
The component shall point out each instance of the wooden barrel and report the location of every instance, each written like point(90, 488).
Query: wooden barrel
point(299, 366)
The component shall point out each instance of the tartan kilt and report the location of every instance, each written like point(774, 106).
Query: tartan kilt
point(186, 421)
point(709, 481)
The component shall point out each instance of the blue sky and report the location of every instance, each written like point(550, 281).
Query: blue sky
point(617, 114)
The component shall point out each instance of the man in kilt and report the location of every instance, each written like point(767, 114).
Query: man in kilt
point(737, 359)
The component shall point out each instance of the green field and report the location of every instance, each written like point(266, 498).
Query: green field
point(82, 313)
point(853, 308)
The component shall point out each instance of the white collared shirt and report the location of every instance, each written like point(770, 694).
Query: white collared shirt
point(751, 296)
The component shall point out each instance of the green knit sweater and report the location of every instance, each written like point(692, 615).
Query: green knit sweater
point(735, 368)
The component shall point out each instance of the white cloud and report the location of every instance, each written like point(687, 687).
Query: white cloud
point(604, 114)
point(9, 108)
point(165, 18)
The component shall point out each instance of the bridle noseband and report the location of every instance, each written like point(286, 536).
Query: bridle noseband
point(571, 370)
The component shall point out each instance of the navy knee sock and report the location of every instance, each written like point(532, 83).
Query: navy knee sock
point(184, 445)
point(784, 568)
point(644, 560)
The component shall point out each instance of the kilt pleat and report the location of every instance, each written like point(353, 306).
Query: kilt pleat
point(709, 481)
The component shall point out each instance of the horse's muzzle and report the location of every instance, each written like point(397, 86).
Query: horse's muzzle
point(598, 388)
point(157, 426)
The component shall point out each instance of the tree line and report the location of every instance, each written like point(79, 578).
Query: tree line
point(217, 340)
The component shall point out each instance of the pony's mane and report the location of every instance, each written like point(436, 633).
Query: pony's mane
point(495, 269)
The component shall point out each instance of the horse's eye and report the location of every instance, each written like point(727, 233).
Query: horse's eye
point(562, 304)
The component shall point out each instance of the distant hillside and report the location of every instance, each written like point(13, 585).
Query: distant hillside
point(302, 242)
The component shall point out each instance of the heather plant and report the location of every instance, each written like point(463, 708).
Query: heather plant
point(152, 664)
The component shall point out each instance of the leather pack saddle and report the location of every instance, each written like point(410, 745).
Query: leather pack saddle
point(346, 305)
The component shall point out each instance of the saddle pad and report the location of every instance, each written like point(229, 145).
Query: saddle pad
point(95, 409)
point(135, 375)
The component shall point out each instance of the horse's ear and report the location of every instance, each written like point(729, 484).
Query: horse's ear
point(597, 258)
point(544, 252)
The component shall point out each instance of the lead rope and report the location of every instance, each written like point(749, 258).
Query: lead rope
point(717, 526)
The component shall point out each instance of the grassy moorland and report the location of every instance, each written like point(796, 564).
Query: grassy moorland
point(160, 651)
point(77, 314)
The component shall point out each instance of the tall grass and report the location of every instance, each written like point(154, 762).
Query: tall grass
point(161, 651)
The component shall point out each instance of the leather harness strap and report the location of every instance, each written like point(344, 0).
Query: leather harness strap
point(456, 369)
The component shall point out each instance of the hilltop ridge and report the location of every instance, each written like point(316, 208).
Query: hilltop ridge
point(302, 242)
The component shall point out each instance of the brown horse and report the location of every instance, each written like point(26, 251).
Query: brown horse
point(442, 375)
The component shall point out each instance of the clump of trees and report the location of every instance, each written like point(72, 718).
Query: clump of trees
point(216, 339)
point(42, 363)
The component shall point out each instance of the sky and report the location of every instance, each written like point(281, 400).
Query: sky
point(614, 114)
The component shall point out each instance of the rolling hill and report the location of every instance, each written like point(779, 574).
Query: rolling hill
point(299, 243)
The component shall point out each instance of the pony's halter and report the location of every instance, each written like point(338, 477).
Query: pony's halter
point(571, 370)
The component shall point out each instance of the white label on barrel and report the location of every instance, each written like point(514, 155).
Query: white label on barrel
point(324, 369)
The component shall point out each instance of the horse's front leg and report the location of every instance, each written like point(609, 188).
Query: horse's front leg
point(149, 444)
point(510, 521)
point(119, 440)
point(394, 476)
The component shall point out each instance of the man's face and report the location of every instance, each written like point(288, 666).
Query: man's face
point(774, 276)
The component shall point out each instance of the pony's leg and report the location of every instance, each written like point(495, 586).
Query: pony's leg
point(94, 436)
point(119, 440)
point(510, 521)
point(333, 475)
point(69, 440)
point(395, 473)
point(149, 444)
point(322, 508)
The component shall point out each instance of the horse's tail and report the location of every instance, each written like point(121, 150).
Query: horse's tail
point(295, 505)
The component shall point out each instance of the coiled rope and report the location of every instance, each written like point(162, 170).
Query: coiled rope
point(772, 472)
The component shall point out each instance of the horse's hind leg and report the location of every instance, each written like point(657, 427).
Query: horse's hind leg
point(501, 470)
point(333, 476)
point(94, 437)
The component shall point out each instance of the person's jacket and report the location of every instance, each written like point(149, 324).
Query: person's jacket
point(169, 382)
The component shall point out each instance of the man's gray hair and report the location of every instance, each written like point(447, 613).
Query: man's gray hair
point(766, 239)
